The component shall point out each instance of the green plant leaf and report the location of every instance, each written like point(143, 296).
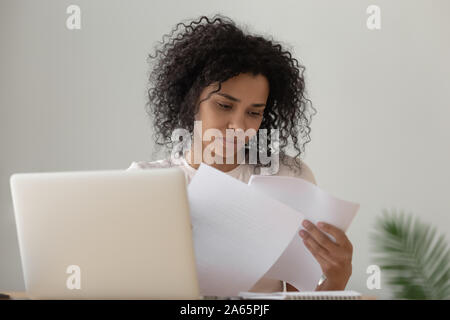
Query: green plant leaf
point(412, 257)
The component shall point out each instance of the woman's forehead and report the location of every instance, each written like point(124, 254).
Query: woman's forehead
point(244, 87)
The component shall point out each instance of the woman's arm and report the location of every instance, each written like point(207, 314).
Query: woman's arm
point(290, 288)
point(326, 285)
point(322, 286)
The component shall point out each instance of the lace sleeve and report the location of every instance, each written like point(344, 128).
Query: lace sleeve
point(134, 166)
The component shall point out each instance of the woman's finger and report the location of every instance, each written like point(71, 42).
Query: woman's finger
point(338, 234)
point(319, 236)
point(324, 263)
point(314, 246)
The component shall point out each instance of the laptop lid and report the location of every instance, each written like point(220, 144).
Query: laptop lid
point(110, 234)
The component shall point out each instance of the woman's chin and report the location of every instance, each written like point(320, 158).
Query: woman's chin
point(230, 159)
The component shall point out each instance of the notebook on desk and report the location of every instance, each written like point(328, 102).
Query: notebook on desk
point(302, 295)
point(293, 295)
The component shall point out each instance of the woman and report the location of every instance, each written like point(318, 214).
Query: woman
point(214, 73)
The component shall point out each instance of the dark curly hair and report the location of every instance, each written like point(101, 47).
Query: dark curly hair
point(211, 51)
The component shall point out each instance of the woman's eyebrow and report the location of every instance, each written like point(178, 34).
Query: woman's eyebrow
point(237, 100)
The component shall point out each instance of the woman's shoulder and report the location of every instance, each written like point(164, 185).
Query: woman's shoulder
point(289, 167)
point(163, 163)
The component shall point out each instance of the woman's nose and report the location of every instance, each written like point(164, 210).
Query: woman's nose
point(236, 123)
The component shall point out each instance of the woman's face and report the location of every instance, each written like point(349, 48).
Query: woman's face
point(239, 104)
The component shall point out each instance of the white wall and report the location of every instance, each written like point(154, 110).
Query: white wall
point(74, 100)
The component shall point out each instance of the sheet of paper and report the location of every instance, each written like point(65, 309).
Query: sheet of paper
point(238, 235)
point(297, 265)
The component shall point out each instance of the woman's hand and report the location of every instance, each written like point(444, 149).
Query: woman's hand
point(335, 259)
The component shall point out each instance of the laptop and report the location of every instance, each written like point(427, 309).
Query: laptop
point(112, 234)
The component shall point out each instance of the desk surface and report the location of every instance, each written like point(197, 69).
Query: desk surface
point(15, 295)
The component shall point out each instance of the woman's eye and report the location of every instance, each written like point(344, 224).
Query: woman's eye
point(224, 106)
point(255, 114)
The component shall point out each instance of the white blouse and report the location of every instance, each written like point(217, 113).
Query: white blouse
point(243, 173)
